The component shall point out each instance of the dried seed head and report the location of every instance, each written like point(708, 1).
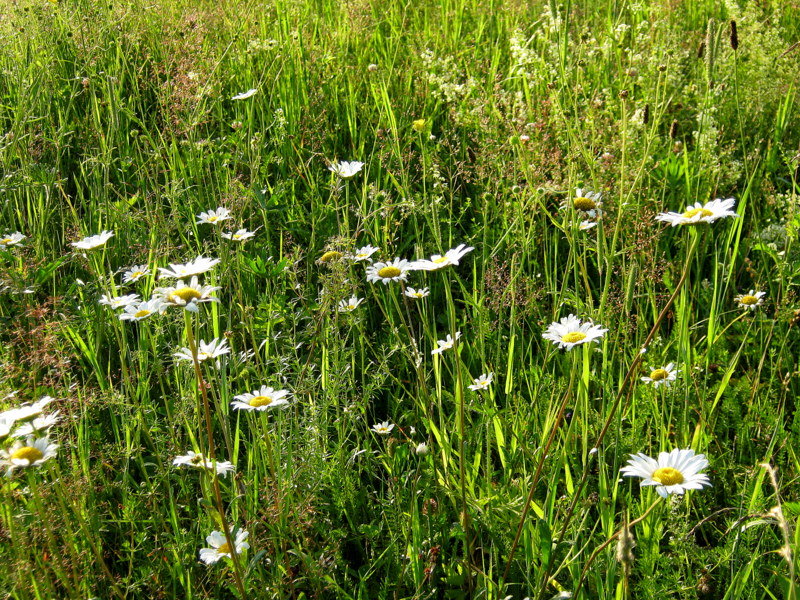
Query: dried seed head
point(734, 36)
point(673, 130)
point(701, 50)
point(625, 546)
point(646, 114)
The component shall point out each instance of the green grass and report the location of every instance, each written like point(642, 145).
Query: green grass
point(119, 116)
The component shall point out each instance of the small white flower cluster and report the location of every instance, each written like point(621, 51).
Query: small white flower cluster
point(27, 428)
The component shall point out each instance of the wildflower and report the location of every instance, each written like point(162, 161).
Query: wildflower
point(345, 169)
point(571, 331)
point(673, 473)
point(187, 296)
point(241, 235)
point(137, 312)
point(384, 428)
point(220, 547)
point(11, 239)
point(363, 253)
point(29, 412)
point(422, 449)
point(586, 202)
point(329, 256)
point(482, 383)
point(205, 350)
point(396, 270)
point(350, 305)
point(199, 461)
point(420, 293)
point(30, 453)
point(198, 266)
point(586, 225)
point(419, 124)
point(751, 299)
point(93, 241)
point(6, 423)
point(135, 273)
point(437, 261)
point(446, 344)
point(38, 424)
point(212, 217)
point(245, 95)
point(261, 399)
point(661, 376)
point(118, 301)
point(699, 213)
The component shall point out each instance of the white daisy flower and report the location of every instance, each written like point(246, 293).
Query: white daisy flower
point(11, 239)
point(205, 350)
point(446, 343)
point(384, 428)
point(662, 376)
point(135, 273)
point(571, 331)
point(420, 293)
point(700, 213)
point(264, 398)
point(199, 461)
point(437, 261)
point(38, 424)
point(350, 305)
point(30, 453)
point(186, 296)
point(219, 546)
point(214, 217)
point(118, 301)
point(93, 241)
point(28, 412)
point(673, 473)
point(482, 383)
point(751, 299)
point(363, 253)
point(241, 235)
point(586, 225)
point(396, 270)
point(245, 95)
point(585, 201)
point(198, 266)
point(345, 169)
point(6, 423)
point(137, 312)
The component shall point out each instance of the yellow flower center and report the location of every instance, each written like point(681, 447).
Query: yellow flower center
point(260, 401)
point(583, 203)
point(224, 549)
point(212, 219)
point(418, 125)
point(389, 272)
point(330, 255)
point(697, 211)
point(139, 314)
point(196, 459)
point(137, 274)
point(573, 337)
point(28, 453)
point(235, 236)
point(658, 375)
point(748, 300)
point(6, 241)
point(440, 260)
point(186, 294)
point(668, 476)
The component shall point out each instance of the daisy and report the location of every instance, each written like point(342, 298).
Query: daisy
point(118, 301)
point(751, 299)
point(93, 241)
point(212, 217)
point(206, 350)
point(6, 423)
point(699, 213)
point(241, 235)
point(198, 461)
point(345, 169)
point(137, 312)
point(673, 473)
point(586, 225)
point(30, 453)
point(198, 266)
point(38, 424)
point(11, 239)
point(396, 270)
point(363, 253)
point(28, 412)
point(350, 305)
point(384, 428)
point(662, 376)
point(135, 273)
point(446, 344)
point(586, 202)
point(187, 296)
point(420, 293)
point(571, 332)
point(261, 399)
point(437, 261)
point(245, 95)
point(220, 547)
point(482, 383)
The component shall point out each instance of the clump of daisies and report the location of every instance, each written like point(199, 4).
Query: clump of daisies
point(672, 473)
point(24, 433)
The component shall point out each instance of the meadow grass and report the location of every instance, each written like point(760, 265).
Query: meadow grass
point(385, 475)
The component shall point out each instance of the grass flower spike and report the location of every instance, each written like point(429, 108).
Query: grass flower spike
point(751, 299)
point(220, 548)
point(571, 331)
point(93, 241)
point(673, 473)
point(396, 270)
point(661, 376)
point(264, 398)
point(438, 261)
point(699, 213)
